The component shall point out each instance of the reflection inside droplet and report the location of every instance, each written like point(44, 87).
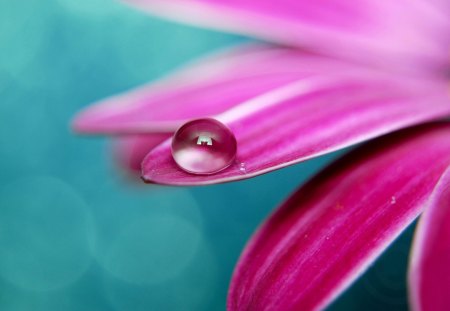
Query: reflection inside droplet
point(204, 146)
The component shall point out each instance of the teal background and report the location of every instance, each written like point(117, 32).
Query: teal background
point(75, 233)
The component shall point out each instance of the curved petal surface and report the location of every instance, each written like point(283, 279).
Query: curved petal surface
point(429, 273)
point(132, 149)
point(308, 118)
point(209, 86)
point(387, 33)
point(329, 231)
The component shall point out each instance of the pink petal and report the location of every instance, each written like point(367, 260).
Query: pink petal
point(440, 5)
point(308, 118)
point(131, 150)
point(387, 33)
point(429, 274)
point(327, 234)
point(208, 87)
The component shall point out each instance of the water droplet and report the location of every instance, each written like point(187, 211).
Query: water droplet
point(204, 146)
point(243, 168)
point(393, 200)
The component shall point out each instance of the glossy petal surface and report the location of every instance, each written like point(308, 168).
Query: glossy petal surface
point(208, 87)
point(313, 116)
point(327, 233)
point(429, 274)
point(386, 33)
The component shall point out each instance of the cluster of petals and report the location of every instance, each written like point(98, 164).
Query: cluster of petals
point(336, 73)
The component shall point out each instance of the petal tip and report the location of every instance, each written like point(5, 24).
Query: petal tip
point(85, 123)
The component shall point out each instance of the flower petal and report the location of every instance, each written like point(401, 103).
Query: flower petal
point(308, 118)
point(208, 87)
point(429, 274)
point(331, 229)
point(387, 33)
point(131, 150)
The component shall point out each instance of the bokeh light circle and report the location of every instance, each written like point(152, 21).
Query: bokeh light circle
point(44, 233)
point(195, 288)
point(153, 249)
point(144, 235)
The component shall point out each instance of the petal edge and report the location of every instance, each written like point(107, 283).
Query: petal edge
point(325, 235)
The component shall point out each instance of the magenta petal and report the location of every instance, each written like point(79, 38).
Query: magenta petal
point(327, 234)
point(306, 119)
point(131, 150)
point(429, 274)
point(386, 33)
point(206, 88)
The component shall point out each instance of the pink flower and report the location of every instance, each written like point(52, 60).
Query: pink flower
point(354, 71)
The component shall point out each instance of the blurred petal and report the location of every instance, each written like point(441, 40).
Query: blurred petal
point(387, 33)
point(131, 150)
point(208, 87)
point(429, 274)
point(333, 228)
point(306, 119)
point(440, 5)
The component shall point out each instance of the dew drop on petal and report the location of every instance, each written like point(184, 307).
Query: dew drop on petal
point(243, 168)
point(204, 146)
point(393, 200)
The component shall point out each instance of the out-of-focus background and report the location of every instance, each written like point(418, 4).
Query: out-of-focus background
point(75, 233)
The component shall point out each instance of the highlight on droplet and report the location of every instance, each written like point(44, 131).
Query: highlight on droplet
point(204, 146)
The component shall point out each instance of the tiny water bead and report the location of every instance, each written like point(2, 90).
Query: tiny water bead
point(204, 146)
point(243, 168)
point(393, 200)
